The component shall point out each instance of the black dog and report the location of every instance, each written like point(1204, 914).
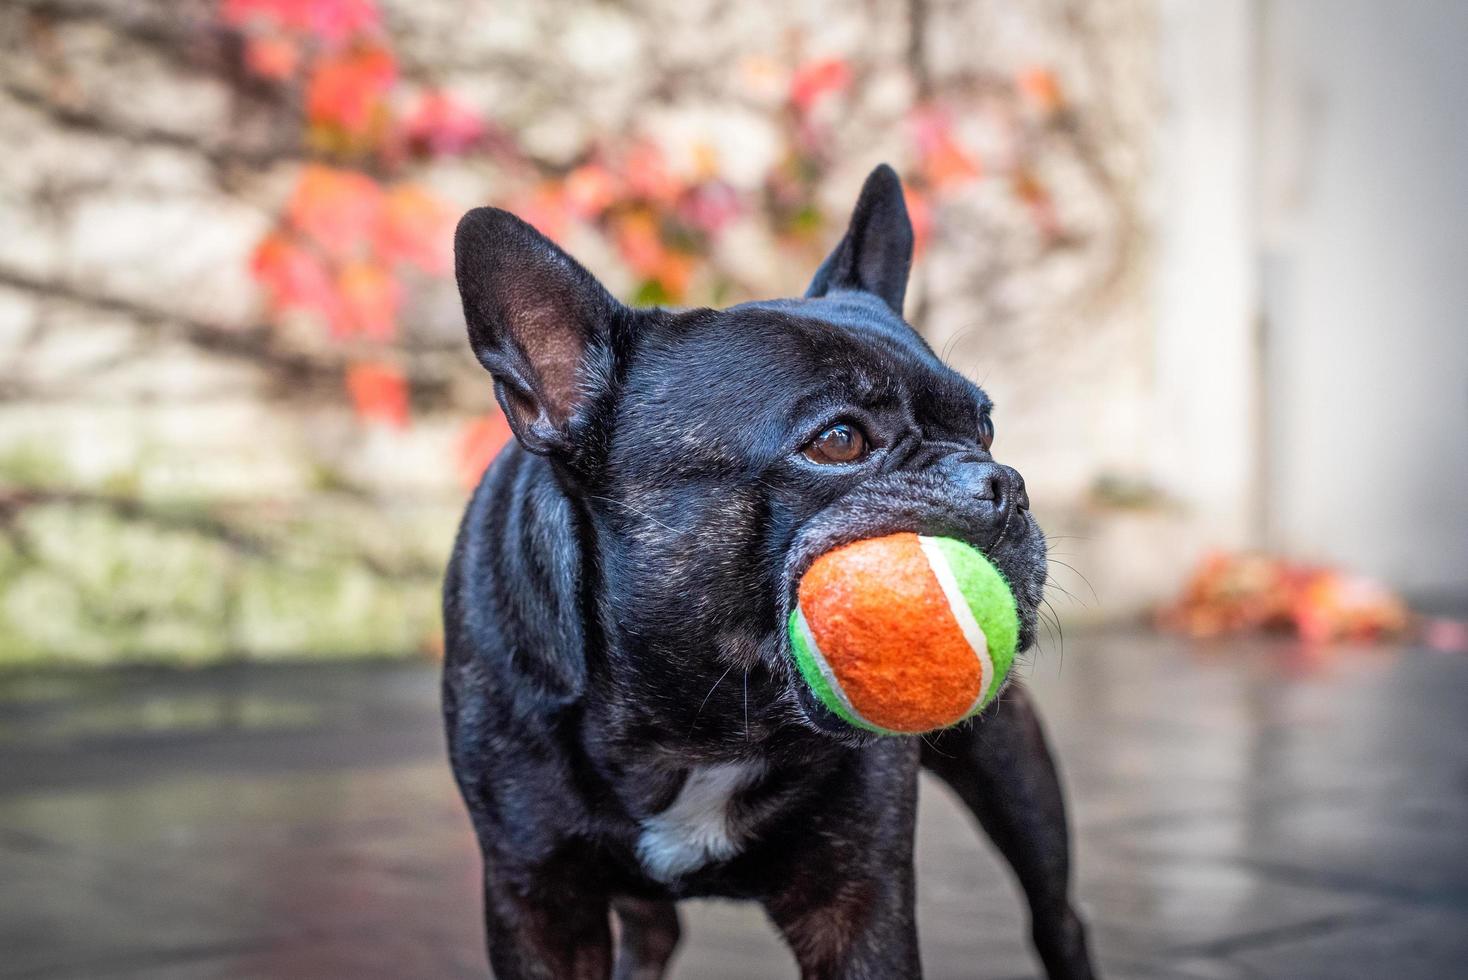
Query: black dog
point(623, 716)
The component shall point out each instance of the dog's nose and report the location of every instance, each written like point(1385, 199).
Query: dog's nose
point(999, 486)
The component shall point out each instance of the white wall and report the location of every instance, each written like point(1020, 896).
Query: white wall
point(1204, 442)
point(1363, 180)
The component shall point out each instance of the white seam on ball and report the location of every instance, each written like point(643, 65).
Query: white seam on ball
point(967, 624)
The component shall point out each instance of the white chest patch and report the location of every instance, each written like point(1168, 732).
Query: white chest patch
point(695, 830)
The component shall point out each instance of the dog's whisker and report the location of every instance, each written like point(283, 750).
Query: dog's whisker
point(706, 697)
point(1078, 574)
point(1060, 629)
point(746, 704)
point(934, 745)
point(1068, 593)
point(640, 513)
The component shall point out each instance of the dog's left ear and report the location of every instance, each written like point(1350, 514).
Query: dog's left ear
point(542, 325)
point(875, 254)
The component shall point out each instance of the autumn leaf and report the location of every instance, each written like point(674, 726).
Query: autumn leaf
point(920, 213)
point(590, 189)
point(816, 79)
point(1041, 89)
point(347, 92)
point(272, 57)
point(646, 174)
point(710, 206)
point(340, 210)
point(1032, 191)
point(379, 393)
point(546, 209)
point(480, 442)
point(416, 227)
point(441, 125)
point(942, 160)
point(294, 278)
point(640, 243)
point(369, 297)
point(331, 21)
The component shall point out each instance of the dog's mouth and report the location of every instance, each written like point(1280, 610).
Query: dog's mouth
point(1020, 560)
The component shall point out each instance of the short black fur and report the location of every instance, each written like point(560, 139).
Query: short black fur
point(613, 609)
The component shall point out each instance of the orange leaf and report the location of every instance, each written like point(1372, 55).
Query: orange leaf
point(370, 298)
point(338, 209)
point(546, 209)
point(379, 393)
point(636, 234)
point(1041, 89)
point(417, 227)
point(348, 90)
point(274, 58)
point(590, 190)
point(479, 443)
point(942, 159)
point(921, 215)
point(1029, 189)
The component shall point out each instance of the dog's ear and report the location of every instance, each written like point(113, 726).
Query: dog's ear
point(539, 322)
point(875, 254)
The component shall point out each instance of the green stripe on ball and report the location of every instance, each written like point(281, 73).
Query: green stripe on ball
point(992, 603)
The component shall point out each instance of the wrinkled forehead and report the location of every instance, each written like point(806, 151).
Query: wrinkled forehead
point(784, 359)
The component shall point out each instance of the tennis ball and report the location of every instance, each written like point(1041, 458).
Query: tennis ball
point(904, 634)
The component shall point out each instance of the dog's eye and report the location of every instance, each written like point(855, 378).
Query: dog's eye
point(986, 430)
point(841, 443)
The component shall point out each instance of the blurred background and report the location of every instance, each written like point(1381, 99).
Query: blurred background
point(1204, 256)
point(1208, 258)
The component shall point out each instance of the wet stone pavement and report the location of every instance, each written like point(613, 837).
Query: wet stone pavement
point(1242, 811)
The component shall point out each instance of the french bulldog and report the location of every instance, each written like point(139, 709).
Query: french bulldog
point(624, 718)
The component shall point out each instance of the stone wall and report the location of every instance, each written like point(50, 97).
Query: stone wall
point(182, 481)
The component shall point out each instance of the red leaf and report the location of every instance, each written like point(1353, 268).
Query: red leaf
point(332, 21)
point(348, 90)
point(379, 393)
point(294, 277)
point(441, 125)
point(816, 79)
point(338, 209)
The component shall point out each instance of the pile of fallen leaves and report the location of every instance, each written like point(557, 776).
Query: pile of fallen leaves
point(1235, 593)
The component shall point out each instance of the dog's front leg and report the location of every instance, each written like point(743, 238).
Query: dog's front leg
point(1001, 768)
point(845, 900)
point(553, 932)
point(862, 929)
point(648, 937)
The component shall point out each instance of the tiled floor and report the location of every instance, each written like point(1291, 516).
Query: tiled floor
point(1243, 811)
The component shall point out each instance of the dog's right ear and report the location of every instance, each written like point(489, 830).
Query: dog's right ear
point(875, 254)
point(539, 322)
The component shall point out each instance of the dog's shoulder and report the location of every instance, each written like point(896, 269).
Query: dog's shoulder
point(511, 604)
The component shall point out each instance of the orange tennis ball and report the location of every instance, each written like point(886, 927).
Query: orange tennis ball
point(904, 634)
